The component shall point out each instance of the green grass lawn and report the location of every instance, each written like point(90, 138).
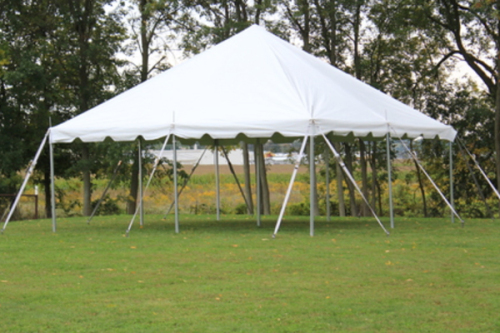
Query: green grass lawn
point(230, 276)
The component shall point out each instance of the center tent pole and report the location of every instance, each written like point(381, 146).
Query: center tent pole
point(351, 178)
point(389, 180)
point(289, 190)
point(217, 181)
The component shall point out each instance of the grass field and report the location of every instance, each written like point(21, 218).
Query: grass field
point(230, 276)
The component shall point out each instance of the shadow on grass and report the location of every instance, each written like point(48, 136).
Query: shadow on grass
point(237, 225)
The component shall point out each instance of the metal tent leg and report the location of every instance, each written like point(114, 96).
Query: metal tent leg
point(26, 178)
point(289, 190)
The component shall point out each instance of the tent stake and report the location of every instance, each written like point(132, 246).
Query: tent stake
point(351, 178)
point(432, 182)
point(26, 178)
point(389, 180)
point(115, 173)
point(155, 165)
point(289, 190)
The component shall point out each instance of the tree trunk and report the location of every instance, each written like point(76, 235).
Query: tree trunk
point(306, 29)
point(264, 186)
point(48, 194)
point(373, 165)
point(134, 184)
point(497, 128)
point(420, 182)
point(87, 183)
point(314, 187)
point(145, 42)
point(248, 183)
point(340, 186)
point(352, 189)
point(364, 176)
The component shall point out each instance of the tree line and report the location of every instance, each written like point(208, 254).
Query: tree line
point(60, 58)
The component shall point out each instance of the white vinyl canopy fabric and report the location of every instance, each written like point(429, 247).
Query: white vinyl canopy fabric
point(254, 84)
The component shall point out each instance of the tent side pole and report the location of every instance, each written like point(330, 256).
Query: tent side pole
point(432, 181)
point(52, 188)
point(351, 178)
point(141, 198)
point(389, 180)
point(217, 180)
point(141, 203)
point(26, 178)
point(290, 186)
point(312, 184)
point(257, 156)
point(327, 181)
point(176, 193)
point(452, 194)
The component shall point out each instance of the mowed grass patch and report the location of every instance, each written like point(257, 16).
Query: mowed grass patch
point(231, 276)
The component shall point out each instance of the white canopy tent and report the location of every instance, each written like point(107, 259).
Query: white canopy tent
point(252, 86)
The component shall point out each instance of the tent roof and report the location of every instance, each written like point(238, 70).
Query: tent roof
point(253, 85)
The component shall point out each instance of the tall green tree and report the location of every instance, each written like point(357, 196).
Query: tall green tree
point(472, 31)
point(90, 37)
point(31, 91)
